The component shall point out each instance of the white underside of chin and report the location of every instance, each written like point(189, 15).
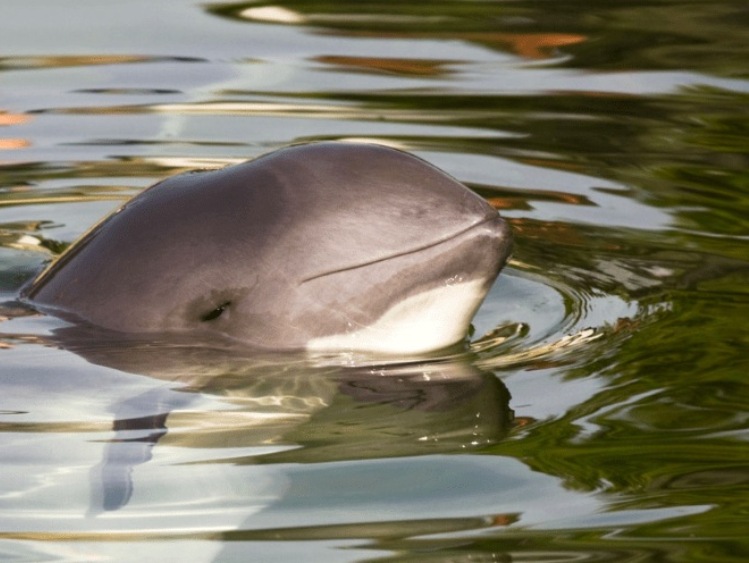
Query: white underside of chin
point(421, 323)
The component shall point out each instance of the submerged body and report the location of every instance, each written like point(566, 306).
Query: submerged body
point(327, 246)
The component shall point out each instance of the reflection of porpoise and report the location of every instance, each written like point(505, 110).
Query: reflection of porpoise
point(408, 409)
point(327, 246)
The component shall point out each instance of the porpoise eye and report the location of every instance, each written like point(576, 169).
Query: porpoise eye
point(215, 313)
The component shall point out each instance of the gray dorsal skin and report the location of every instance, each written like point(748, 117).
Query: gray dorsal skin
point(325, 246)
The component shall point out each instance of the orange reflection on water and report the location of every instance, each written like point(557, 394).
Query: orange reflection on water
point(411, 67)
point(61, 61)
point(500, 203)
point(13, 118)
point(547, 230)
point(531, 45)
point(7, 119)
point(526, 45)
point(9, 144)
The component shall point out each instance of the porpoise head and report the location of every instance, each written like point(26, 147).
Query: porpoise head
point(324, 247)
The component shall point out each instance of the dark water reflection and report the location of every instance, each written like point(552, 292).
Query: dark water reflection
point(600, 412)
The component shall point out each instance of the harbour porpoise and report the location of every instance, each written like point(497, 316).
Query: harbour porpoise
point(323, 247)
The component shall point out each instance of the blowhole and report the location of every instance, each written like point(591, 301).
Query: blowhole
point(215, 313)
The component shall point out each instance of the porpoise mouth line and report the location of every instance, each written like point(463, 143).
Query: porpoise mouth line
point(403, 253)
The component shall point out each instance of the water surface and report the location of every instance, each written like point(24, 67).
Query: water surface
point(600, 413)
